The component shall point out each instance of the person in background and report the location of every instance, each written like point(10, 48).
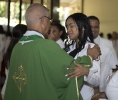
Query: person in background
point(102, 35)
point(57, 33)
point(38, 65)
point(7, 41)
point(108, 58)
point(112, 87)
point(0, 97)
point(2, 44)
point(2, 47)
point(115, 41)
point(109, 36)
point(79, 31)
point(17, 33)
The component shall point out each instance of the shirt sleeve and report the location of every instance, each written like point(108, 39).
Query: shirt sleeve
point(94, 74)
point(113, 61)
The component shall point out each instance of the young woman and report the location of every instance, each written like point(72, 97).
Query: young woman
point(79, 39)
point(57, 33)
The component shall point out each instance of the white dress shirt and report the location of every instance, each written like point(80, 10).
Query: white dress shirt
point(108, 61)
point(115, 45)
point(2, 47)
point(61, 43)
point(112, 88)
point(92, 79)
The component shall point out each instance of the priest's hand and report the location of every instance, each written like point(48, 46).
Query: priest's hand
point(78, 71)
point(94, 52)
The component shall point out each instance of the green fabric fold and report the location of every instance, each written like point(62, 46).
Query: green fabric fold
point(37, 72)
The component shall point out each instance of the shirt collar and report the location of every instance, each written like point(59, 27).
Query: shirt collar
point(29, 33)
point(97, 40)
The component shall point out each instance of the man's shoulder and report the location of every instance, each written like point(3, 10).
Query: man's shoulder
point(107, 44)
point(105, 41)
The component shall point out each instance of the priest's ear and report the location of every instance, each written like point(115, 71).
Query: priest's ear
point(42, 21)
point(42, 24)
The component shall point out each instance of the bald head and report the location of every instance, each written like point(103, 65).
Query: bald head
point(34, 12)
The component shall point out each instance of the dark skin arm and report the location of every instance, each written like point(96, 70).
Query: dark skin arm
point(99, 95)
point(94, 52)
point(80, 70)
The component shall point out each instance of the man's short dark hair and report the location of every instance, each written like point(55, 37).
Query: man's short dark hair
point(93, 18)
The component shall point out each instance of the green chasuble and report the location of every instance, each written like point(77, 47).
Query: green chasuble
point(37, 72)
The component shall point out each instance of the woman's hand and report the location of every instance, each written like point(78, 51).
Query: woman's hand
point(94, 52)
point(78, 71)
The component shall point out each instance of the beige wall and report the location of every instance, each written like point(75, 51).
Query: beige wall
point(106, 11)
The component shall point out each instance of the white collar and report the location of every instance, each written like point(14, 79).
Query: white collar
point(29, 33)
point(97, 40)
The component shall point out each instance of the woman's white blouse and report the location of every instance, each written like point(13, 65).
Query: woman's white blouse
point(93, 78)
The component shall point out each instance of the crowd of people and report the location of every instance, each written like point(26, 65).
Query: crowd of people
point(48, 61)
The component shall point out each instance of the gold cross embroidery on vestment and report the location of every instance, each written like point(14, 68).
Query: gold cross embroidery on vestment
point(27, 37)
point(20, 78)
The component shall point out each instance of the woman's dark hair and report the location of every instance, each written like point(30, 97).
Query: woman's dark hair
point(19, 30)
point(109, 36)
point(81, 21)
point(61, 28)
point(17, 33)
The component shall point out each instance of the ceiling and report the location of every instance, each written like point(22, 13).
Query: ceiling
point(62, 2)
point(67, 2)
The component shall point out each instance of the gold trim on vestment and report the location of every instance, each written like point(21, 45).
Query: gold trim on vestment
point(77, 87)
point(20, 78)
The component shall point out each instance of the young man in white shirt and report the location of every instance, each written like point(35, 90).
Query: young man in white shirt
point(108, 58)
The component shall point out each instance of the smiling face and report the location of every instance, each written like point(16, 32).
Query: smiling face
point(55, 33)
point(72, 29)
point(95, 27)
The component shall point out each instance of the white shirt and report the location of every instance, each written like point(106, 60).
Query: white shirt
point(112, 88)
point(2, 47)
point(7, 42)
point(108, 61)
point(115, 45)
point(5, 83)
point(61, 43)
point(92, 79)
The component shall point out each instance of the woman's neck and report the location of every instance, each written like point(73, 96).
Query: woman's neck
point(77, 43)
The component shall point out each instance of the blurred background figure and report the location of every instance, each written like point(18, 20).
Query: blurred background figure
point(17, 33)
point(112, 87)
point(101, 35)
point(2, 47)
point(7, 41)
point(115, 41)
point(108, 58)
point(109, 36)
point(57, 33)
point(2, 44)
